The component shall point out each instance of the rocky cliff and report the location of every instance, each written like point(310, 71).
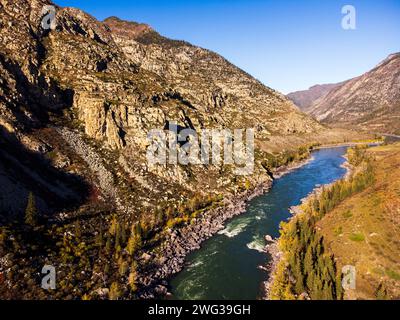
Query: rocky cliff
point(113, 81)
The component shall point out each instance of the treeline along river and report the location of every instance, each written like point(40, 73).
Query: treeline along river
point(227, 265)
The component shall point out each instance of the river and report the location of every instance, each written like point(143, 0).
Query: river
point(226, 266)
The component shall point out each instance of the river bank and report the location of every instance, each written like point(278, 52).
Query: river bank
point(272, 248)
point(159, 278)
point(179, 243)
point(349, 144)
point(283, 170)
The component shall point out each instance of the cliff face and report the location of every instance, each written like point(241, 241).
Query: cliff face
point(371, 101)
point(114, 81)
point(214, 87)
point(304, 99)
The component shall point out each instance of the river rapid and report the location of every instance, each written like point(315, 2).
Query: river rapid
point(227, 265)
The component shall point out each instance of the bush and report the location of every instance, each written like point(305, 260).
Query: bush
point(175, 223)
point(358, 237)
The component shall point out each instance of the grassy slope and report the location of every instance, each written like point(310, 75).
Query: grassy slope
point(330, 136)
point(364, 230)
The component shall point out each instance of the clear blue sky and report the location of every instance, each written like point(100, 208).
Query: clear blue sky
point(287, 44)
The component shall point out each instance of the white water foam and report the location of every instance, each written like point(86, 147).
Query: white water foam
point(257, 244)
point(189, 290)
point(235, 228)
point(196, 264)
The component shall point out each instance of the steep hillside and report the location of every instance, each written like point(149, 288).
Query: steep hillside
point(370, 102)
point(117, 89)
point(352, 224)
point(363, 231)
point(305, 98)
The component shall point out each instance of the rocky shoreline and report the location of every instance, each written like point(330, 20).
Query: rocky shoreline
point(272, 244)
point(180, 243)
point(280, 172)
point(272, 248)
point(276, 255)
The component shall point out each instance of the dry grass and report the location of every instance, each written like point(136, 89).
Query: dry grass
point(364, 230)
point(329, 136)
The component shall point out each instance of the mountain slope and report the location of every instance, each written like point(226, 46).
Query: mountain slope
point(305, 98)
point(370, 102)
point(360, 230)
point(115, 84)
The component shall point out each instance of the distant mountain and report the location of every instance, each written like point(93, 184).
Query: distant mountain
point(370, 102)
point(305, 98)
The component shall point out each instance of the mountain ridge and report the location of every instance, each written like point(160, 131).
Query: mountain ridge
point(305, 98)
point(368, 102)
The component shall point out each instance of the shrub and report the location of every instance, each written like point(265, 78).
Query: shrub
point(115, 291)
point(358, 237)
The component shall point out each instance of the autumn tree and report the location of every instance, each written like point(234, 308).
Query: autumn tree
point(31, 211)
point(132, 279)
point(115, 291)
point(135, 239)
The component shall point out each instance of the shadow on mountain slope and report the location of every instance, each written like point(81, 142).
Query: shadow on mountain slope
point(23, 171)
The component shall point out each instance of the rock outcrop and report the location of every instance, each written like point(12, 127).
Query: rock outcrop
point(116, 80)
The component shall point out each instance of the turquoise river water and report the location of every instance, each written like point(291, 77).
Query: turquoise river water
point(226, 267)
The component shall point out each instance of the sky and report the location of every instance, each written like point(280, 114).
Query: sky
point(288, 45)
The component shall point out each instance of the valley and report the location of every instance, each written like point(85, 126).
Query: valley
point(78, 104)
